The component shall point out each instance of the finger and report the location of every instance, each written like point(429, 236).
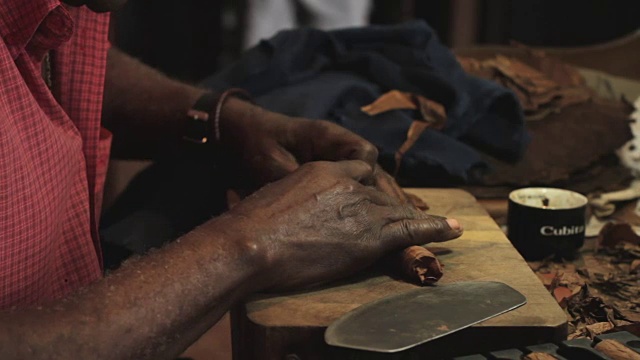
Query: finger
point(357, 170)
point(333, 142)
point(274, 164)
point(377, 197)
point(398, 212)
point(358, 149)
point(408, 232)
point(385, 183)
point(416, 201)
point(376, 204)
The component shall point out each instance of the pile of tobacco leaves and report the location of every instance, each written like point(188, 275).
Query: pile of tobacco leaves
point(600, 290)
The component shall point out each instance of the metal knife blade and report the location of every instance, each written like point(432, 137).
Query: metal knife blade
point(402, 321)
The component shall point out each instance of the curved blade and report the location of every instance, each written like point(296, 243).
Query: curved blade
point(402, 321)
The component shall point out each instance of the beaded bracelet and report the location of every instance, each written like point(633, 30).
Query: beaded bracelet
point(223, 97)
point(199, 127)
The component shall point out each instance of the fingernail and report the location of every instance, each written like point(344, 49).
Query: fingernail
point(454, 224)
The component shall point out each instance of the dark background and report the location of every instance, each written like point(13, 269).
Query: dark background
point(190, 39)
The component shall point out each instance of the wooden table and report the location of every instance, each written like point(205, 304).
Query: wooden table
point(291, 326)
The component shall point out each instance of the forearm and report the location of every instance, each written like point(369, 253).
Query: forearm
point(151, 308)
point(144, 108)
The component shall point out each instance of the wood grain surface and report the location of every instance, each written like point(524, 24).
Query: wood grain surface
point(272, 326)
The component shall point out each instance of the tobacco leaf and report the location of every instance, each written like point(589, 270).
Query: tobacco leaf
point(413, 134)
point(432, 112)
point(599, 328)
point(549, 280)
point(591, 309)
point(614, 234)
point(601, 291)
point(573, 95)
point(562, 295)
point(561, 284)
point(560, 72)
point(544, 85)
point(533, 89)
point(433, 115)
point(392, 100)
point(614, 267)
point(530, 80)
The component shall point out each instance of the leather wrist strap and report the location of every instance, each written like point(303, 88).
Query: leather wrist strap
point(201, 127)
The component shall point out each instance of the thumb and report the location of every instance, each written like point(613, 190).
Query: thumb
point(408, 232)
point(276, 164)
point(357, 170)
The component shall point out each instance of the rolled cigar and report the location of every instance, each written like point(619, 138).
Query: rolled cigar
point(417, 264)
point(414, 263)
point(616, 350)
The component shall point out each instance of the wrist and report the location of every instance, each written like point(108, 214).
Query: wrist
point(235, 120)
point(204, 116)
point(225, 241)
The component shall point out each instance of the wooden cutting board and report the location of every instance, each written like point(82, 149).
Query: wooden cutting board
point(272, 327)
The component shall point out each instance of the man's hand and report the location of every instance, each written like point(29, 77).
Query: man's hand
point(321, 223)
point(266, 146)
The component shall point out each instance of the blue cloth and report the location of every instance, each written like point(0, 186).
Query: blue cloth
point(330, 75)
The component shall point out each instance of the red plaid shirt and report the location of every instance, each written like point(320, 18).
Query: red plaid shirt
point(53, 152)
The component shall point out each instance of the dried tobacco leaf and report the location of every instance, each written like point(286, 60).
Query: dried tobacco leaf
point(592, 309)
point(549, 280)
point(530, 80)
point(603, 292)
point(543, 87)
point(558, 71)
point(431, 111)
point(618, 248)
point(534, 90)
point(562, 295)
point(599, 328)
point(392, 100)
point(432, 114)
point(614, 234)
point(413, 134)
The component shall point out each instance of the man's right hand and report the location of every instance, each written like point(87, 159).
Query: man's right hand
point(319, 223)
point(322, 222)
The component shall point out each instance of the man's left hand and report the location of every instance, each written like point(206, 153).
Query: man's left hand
point(265, 146)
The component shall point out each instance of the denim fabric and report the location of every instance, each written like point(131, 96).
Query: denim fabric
point(330, 75)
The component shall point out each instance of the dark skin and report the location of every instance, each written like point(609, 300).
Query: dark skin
point(315, 221)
